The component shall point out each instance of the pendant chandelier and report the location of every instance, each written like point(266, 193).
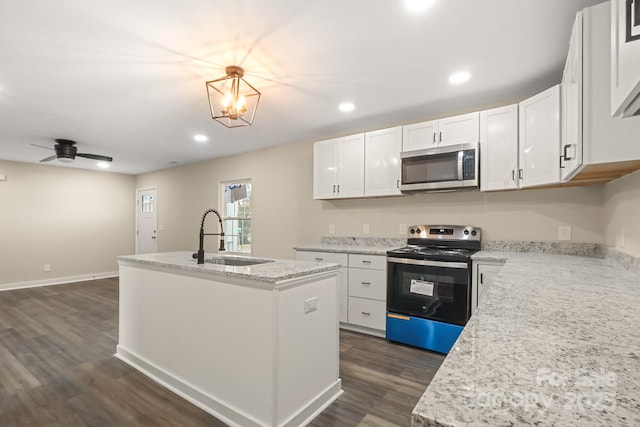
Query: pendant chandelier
point(232, 100)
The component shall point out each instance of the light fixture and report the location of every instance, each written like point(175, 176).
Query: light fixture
point(102, 165)
point(200, 138)
point(232, 100)
point(418, 5)
point(459, 77)
point(345, 107)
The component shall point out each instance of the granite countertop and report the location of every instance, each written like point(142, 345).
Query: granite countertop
point(276, 271)
point(555, 341)
point(355, 245)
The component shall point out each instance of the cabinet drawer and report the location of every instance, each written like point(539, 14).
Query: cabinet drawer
point(370, 284)
point(368, 313)
point(374, 262)
point(333, 257)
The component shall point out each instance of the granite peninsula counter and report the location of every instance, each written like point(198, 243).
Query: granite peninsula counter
point(253, 345)
point(556, 341)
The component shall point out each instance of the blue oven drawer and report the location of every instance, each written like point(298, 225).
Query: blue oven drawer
point(423, 333)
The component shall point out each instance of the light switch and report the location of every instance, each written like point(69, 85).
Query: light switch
point(365, 228)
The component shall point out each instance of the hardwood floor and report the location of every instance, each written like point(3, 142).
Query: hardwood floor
point(57, 369)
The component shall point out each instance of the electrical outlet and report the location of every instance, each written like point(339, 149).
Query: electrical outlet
point(332, 229)
point(161, 227)
point(403, 229)
point(365, 228)
point(621, 238)
point(564, 232)
point(47, 267)
point(3, 177)
point(310, 305)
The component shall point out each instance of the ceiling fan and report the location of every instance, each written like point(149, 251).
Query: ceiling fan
point(66, 151)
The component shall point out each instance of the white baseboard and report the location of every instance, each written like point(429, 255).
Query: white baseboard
point(57, 281)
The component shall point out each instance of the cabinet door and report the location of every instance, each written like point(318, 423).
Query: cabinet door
point(461, 129)
point(499, 148)
point(382, 162)
point(486, 275)
point(539, 142)
point(351, 166)
point(420, 136)
point(625, 61)
point(571, 155)
point(325, 169)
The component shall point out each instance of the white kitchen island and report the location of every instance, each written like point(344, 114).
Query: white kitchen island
point(252, 345)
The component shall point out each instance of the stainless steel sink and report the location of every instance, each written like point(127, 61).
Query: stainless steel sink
point(237, 262)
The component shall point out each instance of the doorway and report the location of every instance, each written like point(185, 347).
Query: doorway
point(146, 220)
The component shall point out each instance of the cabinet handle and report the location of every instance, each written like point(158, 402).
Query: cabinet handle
point(334, 188)
point(338, 188)
point(513, 174)
point(564, 152)
point(398, 183)
point(366, 313)
point(521, 173)
point(365, 261)
point(319, 259)
point(434, 137)
point(366, 283)
point(440, 137)
point(482, 278)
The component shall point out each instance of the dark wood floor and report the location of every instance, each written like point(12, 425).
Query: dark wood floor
point(57, 369)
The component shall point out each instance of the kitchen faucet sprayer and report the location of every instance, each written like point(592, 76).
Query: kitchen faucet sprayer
point(200, 254)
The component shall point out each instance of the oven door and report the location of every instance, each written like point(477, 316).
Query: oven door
point(436, 290)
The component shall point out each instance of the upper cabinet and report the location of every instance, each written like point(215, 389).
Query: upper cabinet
point(499, 148)
point(338, 167)
point(453, 130)
point(539, 139)
point(595, 147)
point(625, 58)
point(382, 162)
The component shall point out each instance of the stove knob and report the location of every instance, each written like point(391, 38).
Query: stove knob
point(418, 231)
point(413, 231)
point(466, 232)
point(473, 233)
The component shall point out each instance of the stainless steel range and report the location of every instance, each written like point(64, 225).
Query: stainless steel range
point(429, 286)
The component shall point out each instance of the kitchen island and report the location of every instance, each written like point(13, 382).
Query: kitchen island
point(555, 342)
point(254, 345)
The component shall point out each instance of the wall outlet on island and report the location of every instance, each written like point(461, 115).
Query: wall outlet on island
point(564, 232)
point(332, 229)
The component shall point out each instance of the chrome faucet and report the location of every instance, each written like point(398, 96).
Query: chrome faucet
point(200, 254)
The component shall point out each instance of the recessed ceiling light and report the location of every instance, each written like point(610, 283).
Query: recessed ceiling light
point(102, 165)
point(459, 77)
point(201, 138)
point(345, 107)
point(418, 5)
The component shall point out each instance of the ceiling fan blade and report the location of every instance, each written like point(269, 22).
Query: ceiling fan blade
point(42, 146)
point(48, 159)
point(95, 157)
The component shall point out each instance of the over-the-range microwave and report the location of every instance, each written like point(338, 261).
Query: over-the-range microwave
point(442, 168)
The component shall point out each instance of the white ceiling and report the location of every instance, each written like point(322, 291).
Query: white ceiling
point(126, 78)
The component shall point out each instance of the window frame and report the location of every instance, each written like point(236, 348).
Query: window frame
point(229, 237)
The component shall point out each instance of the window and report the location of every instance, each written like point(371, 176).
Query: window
point(236, 214)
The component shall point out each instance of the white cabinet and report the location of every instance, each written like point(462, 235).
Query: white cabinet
point(453, 130)
point(483, 275)
point(343, 275)
point(368, 291)
point(382, 162)
point(625, 58)
point(499, 148)
point(599, 147)
point(539, 139)
point(338, 167)
point(362, 289)
point(571, 94)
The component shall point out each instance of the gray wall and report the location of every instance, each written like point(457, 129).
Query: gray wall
point(76, 220)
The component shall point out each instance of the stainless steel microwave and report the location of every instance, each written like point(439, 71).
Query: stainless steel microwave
point(442, 168)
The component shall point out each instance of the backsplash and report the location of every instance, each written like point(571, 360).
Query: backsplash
point(592, 250)
point(363, 241)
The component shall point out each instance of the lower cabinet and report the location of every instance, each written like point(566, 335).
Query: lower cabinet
point(484, 273)
point(362, 304)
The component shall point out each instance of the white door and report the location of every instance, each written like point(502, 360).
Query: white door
point(539, 141)
point(499, 148)
point(146, 221)
point(382, 166)
point(463, 129)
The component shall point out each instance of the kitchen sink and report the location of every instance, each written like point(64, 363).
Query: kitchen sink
point(237, 262)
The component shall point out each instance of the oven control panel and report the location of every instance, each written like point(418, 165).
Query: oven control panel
point(444, 232)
